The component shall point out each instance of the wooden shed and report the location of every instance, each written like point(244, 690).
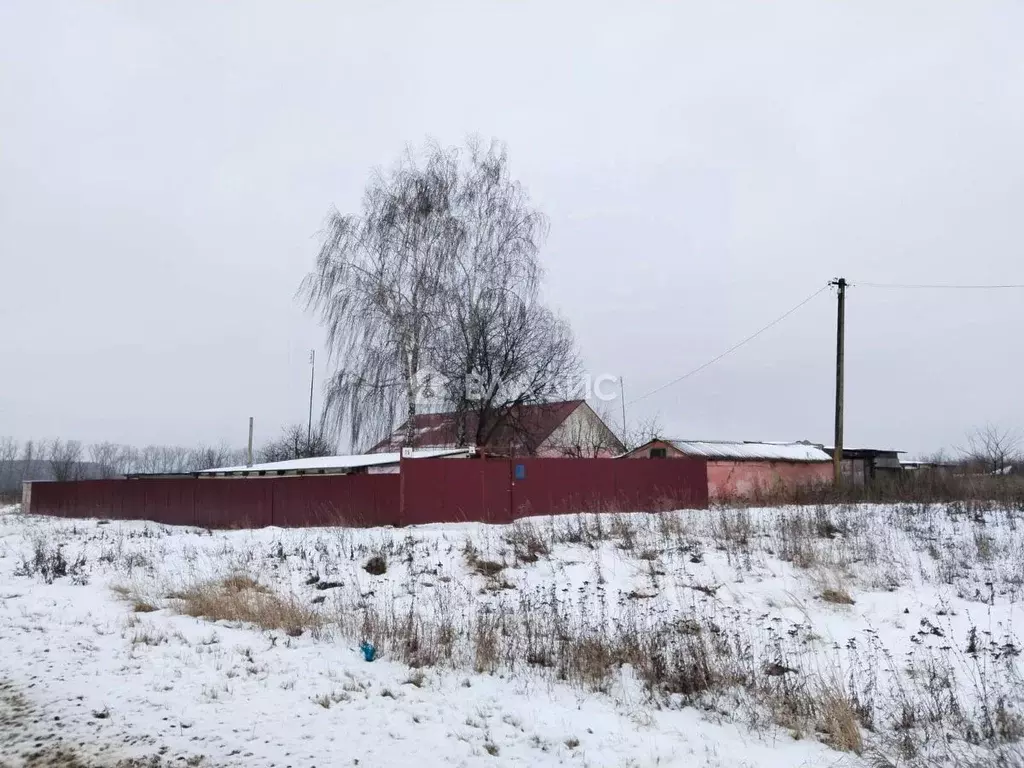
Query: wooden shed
point(864, 466)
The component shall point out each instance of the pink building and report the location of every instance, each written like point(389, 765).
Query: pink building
point(739, 470)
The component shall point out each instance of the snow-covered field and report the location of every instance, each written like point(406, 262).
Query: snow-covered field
point(830, 636)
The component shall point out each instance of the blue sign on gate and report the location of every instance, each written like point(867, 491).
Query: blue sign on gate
point(520, 471)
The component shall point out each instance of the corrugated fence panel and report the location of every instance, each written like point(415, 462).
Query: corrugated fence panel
point(455, 490)
point(559, 486)
point(359, 500)
point(46, 500)
point(497, 491)
point(660, 484)
point(233, 502)
point(132, 494)
point(86, 498)
point(354, 500)
point(426, 491)
point(306, 501)
point(99, 498)
point(168, 501)
point(387, 496)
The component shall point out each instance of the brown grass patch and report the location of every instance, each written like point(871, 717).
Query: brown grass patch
point(488, 568)
point(241, 598)
point(837, 595)
point(132, 596)
point(239, 582)
point(840, 722)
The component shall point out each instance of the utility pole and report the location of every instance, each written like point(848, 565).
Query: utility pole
point(622, 396)
point(837, 450)
point(249, 452)
point(309, 426)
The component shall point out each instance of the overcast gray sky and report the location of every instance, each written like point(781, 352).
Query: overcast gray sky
point(164, 169)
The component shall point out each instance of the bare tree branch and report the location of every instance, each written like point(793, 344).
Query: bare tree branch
point(295, 444)
point(586, 439)
point(65, 459)
point(643, 432)
point(107, 459)
point(993, 448)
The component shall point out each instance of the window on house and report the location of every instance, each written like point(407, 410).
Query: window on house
point(658, 453)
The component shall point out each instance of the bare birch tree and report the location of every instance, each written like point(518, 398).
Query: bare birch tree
point(440, 273)
point(376, 288)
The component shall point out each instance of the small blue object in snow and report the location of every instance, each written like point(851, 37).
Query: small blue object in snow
point(520, 471)
point(369, 652)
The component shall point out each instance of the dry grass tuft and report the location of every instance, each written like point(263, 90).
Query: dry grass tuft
point(138, 602)
point(527, 544)
point(589, 661)
point(240, 582)
point(486, 644)
point(488, 568)
point(837, 595)
point(241, 598)
point(148, 636)
point(417, 678)
point(840, 722)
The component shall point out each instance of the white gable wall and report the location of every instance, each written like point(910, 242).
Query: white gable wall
point(583, 434)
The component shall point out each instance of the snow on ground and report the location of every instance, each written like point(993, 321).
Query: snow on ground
point(717, 638)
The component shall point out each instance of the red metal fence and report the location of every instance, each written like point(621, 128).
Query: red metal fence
point(502, 490)
point(426, 491)
point(292, 502)
point(450, 491)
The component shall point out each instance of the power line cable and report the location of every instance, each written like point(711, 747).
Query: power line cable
point(938, 286)
point(733, 348)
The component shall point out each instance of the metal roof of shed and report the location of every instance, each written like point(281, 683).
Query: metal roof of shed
point(332, 464)
point(751, 451)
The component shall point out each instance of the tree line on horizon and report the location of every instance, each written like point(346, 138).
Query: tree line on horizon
point(63, 460)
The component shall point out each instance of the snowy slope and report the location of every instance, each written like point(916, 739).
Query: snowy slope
point(496, 621)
